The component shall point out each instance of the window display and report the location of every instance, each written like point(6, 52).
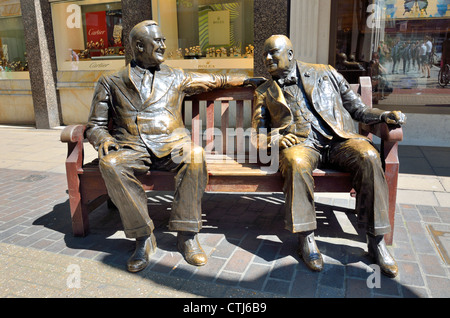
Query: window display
point(13, 56)
point(401, 44)
point(205, 34)
point(88, 35)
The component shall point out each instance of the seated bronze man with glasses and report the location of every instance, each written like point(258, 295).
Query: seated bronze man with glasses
point(143, 104)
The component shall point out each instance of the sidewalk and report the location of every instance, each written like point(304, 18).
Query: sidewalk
point(250, 254)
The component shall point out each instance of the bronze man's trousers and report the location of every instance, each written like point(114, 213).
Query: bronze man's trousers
point(356, 156)
point(119, 170)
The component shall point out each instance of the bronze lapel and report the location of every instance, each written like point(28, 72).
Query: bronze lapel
point(124, 83)
point(308, 76)
point(278, 107)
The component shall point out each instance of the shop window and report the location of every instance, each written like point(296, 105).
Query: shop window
point(402, 45)
point(207, 35)
point(13, 56)
point(88, 35)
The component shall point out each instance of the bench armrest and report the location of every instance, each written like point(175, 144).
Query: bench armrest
point(73, 135)
point(390, 136)
point(388, 133)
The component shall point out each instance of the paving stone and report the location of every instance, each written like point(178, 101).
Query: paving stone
point(255, 277)
point(277, 287)
point(305, 284)
point(409, 274)
point(357, 288)
point(239, 261)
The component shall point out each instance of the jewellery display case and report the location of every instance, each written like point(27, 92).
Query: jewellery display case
point(88, 35)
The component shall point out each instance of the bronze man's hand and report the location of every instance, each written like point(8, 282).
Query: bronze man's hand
point(289, 140)
point(394, 117)
point(254, 81)
point(106, 146)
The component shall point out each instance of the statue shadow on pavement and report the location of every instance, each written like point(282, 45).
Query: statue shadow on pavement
point(253, 223)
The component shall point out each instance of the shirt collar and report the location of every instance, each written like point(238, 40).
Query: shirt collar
point(141, 71)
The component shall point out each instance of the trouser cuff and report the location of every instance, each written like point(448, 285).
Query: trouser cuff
point(303, 227)
point(141, 231)
point(185, 226)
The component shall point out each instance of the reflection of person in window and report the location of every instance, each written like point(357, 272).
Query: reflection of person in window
point(75, 56)
point(344, 64)
point(425, 70)
point(395, 54)
point(429, 45)
point(406, 56)
point(377, 74)
point(383, 52)
point(415, 48)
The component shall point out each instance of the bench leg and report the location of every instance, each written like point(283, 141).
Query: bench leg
point(78, 210)
point(391, 172)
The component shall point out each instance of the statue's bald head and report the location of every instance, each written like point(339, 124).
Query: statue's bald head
point(278, 55)
point(280, 40)
point(147, 44)
point(140, 30)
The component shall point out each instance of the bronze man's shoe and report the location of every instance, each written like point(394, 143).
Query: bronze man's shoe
point(189, 246)
point(145, 247)
point(309, 251)
point(378, 251)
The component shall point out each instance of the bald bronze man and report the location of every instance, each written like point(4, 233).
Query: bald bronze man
point(143, 104)
point(308, 109)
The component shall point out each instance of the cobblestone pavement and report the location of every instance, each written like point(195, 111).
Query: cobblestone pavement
point(250, 254)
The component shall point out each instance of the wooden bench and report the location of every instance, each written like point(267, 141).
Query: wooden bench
point(230, 168)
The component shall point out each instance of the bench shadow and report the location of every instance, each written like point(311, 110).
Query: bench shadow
point(258, 232)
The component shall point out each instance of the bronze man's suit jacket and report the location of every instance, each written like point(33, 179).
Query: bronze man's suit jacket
point(156, 122)
point(328, 93)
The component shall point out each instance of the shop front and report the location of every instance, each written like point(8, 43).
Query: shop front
point(401, 45)
point(16, 105)
point(88, 44)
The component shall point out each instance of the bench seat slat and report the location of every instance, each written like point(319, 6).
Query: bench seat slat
point(220, 167)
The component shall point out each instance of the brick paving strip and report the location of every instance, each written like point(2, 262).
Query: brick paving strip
point(250, 254)
point(27, 272)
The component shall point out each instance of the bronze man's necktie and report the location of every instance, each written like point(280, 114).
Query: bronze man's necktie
point(146, 85)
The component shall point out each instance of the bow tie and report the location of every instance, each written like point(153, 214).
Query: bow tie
point(287, 81)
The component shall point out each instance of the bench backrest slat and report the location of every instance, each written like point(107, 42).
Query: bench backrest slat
point(220, 120)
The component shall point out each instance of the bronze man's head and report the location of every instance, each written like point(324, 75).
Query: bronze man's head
point(148, 44)
point(278, 55)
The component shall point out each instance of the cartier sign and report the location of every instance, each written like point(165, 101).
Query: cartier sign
point(96, 26)
point(94, 32)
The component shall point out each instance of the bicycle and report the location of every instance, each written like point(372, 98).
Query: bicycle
point(444, 75)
